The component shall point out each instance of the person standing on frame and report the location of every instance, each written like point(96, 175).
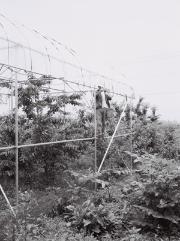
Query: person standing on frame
point(102, 107)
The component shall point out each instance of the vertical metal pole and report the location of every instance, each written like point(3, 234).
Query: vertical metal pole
point(131, 127)
point(16, 138)
point(95, 134)
point(11, 99)
point(95, 138)
point(112, 138)
point(131, 137)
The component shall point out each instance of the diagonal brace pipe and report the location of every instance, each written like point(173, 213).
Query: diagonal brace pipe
point(121, 116)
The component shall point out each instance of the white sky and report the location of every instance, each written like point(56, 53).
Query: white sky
point(137, 38)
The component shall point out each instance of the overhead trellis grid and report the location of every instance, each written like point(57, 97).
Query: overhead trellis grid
point(17, 68)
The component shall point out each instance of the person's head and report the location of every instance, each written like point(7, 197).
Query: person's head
point(99, 88)
point(106, 90)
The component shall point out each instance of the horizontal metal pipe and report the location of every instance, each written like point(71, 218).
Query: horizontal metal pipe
point(57, 142)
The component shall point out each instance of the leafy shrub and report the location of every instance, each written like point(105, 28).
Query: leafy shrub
point(90, 218)
point(7, 224)
point(169, 146)
point(57, 229)
point(160, 203)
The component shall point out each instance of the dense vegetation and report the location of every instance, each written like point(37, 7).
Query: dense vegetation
point(135, 197)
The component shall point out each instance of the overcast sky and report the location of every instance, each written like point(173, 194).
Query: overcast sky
point(137, 39)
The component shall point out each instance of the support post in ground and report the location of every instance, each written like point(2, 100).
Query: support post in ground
point(16, 140)
point(131, 126)
point(95, 134)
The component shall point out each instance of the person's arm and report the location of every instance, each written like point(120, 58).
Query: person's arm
point(109, 97)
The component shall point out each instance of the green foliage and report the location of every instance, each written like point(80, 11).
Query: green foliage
point(92, 219)
point(160, 202)
point(43, 119)
point(56, 229)
point(149, 135)
point(169, 146)
point(146, 138)
point(33, 221)
point(150, 191)
point(7, 224)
